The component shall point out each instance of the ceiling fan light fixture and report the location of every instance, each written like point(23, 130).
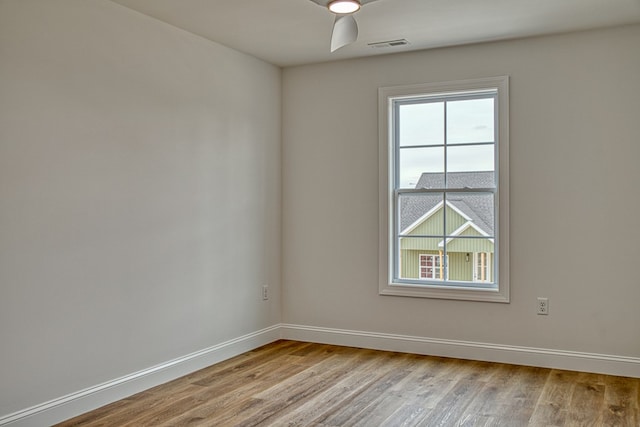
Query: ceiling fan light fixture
point(344, 6)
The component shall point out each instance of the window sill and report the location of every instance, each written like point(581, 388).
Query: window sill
point(446, 292)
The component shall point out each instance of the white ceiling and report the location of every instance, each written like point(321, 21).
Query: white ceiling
point(293, 32)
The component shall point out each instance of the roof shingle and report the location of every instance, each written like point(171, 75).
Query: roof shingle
point(478, 207)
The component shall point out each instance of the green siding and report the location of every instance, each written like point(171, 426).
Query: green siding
point(456, 244)
point(470, 245)
point(434, 224)
point(459, 268)
point(454, 220)
point(410, 263)
point(420, 243)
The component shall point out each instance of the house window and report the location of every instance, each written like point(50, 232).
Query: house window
point(482, 267)
point(432, 267)
point(444, 190)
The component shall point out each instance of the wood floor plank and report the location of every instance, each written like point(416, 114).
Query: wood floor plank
point(357, 380)
point(230, 397)
point(493, 400)
point(621, 402)
point(345, 372)
point(553, 404)
point(290, 383)
point(295, 392)
point(586, 405)
point(418, 393)
point(365, 400)
point(436, 377)
point(453, 405)
point(297, 359)
point(523, 394)
point(250, 364)
point(167, 394)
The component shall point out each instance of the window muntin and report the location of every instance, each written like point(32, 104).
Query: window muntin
point(442, 160)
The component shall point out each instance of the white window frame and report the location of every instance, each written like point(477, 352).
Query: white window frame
point(388, 285)
point(445, 266)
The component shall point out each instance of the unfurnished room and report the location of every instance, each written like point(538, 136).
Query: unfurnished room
point(319, 213)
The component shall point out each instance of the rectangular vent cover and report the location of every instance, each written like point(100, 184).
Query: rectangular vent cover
point(389, 43)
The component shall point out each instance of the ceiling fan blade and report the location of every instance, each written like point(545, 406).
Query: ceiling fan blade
point(345, 31)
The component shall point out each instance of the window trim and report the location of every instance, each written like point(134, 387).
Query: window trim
point(386, 95)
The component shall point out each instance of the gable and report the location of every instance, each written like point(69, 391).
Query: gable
point(469, 245)
point(431, 222)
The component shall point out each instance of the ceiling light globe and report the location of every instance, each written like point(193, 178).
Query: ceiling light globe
point(344, 6)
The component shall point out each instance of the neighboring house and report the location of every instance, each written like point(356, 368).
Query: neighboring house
point(468, 258)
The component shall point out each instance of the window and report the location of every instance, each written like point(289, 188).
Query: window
point(482, 269)
point(444, 190)
point(432, 267)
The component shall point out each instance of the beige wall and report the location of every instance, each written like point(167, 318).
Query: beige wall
point(139, 195)
point(575, 126)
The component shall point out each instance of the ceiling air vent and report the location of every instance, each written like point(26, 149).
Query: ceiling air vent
point(389, 43)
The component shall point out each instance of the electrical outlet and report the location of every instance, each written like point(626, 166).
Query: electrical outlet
point(543, 306)
point(265, 292)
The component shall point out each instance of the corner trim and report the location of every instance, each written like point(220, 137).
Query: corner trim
point(74, 404)
point(528, 356)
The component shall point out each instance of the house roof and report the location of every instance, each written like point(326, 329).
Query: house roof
point(478, 207)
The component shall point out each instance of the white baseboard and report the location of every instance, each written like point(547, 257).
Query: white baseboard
point(529, 356)
point(74, 404)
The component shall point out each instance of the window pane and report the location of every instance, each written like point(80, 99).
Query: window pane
point(470, 214)
point(416, 161)
point(471, 260)
point(419, 258)
point(421, 214)
point(475, 179)
point(470, 121)
point(471, 158)
point(421, 124)
point(465, 246)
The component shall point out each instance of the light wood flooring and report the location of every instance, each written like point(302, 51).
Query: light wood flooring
point(290, 383)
